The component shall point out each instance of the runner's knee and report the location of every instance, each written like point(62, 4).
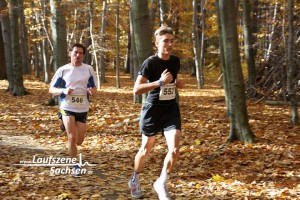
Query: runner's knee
point(72, 138)
point(144, 151)
point(174, 152)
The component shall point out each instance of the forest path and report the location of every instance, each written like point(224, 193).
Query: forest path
point(267, 169)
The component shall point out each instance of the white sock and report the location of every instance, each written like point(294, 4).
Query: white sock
point(163, 176)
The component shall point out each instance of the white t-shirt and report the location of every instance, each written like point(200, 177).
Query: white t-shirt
point(78, 78)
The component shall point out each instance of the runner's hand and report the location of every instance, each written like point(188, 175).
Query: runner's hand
point(180, 83)
point(91, 91)
point(67, 91)
point(166, 77)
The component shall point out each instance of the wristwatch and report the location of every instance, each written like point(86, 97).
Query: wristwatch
point(160, 82)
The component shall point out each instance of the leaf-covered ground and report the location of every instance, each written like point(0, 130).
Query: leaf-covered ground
point(268, 169)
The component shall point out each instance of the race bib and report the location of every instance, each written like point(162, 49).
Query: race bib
point(76, 100)
point(167, 92)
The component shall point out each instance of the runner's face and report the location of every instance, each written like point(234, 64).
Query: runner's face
point(76, 56)
point(165, 43)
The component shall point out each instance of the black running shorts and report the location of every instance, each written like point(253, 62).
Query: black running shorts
point(159, 117)
point(80, 117)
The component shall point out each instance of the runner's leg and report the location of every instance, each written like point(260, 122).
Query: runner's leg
point(81, 130)
point(69, 122)
point(145, 149)
point(173, 140)
point(160, 185)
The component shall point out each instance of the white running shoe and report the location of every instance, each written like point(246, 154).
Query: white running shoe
point(162, 190)
point(135, 189)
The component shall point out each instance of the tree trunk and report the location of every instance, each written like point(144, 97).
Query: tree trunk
point(88, 41)
point(23, 40)
point(91, 11)
point(45, 45)
point(248, 41)
point(292, 66)
point(18, 89)
point(222, 54)
point(3, 74)
point(142, 32)
point(196, 42)
point(270, 42)
point(152, 13)
point(36, 51)
point(102, 44)
point(141, 28)
point(118, 45)
point(239, 125)
point(59, 35)
point(163, 13)
point(6, 34)
point(127, 67)
point(202, 10)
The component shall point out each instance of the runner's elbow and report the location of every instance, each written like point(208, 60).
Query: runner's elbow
point(136, 91)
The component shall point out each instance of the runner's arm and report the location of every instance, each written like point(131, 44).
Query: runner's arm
point(58, 91)
point(141, 86)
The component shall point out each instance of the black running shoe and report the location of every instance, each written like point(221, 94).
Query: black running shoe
point(62, 126)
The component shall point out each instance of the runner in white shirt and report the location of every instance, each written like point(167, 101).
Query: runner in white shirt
point(74, 82)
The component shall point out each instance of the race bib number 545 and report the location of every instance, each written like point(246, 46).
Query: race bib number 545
point(167, 92)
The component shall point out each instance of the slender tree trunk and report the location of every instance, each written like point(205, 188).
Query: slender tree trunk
point(133, 54)
point(202, 10)
point(88, 41)
point(3, 74)
point(91, 11)
point(6, 33)
point(102, 44)
point(73, 34)
point(163, 13)
point(196, 42)
point(44, 9)
point(239, 125)
point(45, 45)
point(248, 41)
point(36, 35)
point(118, 45)
point(152, 13)
point(270, 42)
point(127, 62)
point(18, 89)
point(23, 40)
point(292, 66)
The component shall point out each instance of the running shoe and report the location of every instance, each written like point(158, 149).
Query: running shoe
point(62, 126)
point(161, 190)
point(135, 189)
point(77, 171)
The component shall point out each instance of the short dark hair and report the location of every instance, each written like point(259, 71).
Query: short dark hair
point(163, 30)
point(78, 45)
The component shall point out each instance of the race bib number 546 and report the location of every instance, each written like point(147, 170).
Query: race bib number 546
point(77, 100)
point(167, 92)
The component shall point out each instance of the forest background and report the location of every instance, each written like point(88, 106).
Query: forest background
point(263, 47)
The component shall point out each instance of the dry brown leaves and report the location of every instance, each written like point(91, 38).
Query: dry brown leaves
point(268, 169)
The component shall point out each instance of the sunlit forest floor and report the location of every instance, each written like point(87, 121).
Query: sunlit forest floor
point(29, 131)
